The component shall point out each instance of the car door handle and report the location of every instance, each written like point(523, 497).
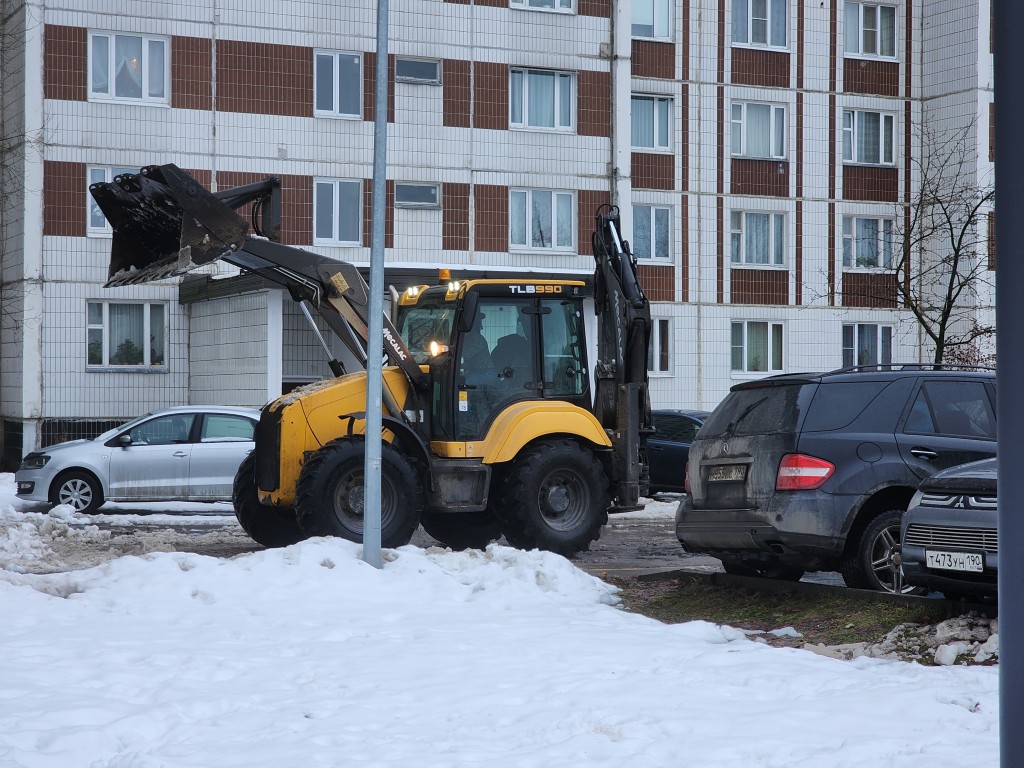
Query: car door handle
point(924, 453)
point(179, 454)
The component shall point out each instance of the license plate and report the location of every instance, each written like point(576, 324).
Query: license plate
point(727, 473)
point(955, 561)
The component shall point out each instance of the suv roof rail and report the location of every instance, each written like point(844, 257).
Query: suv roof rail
point(913, 367)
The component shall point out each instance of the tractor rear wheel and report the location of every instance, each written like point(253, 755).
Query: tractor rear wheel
point(329, 494)
point(462, 530)
point(554, 496)
point(266, 525)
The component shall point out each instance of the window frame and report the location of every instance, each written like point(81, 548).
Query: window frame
point(528, 5)
point(399, 203)
point(850, 240)
point(851, 133)
point(659, 347)
point(335, 240)
point(335, 110)
point(777, 124)
point(148, 337)
point(92, 176)
point(556, 194)
point(652, 212)
point(111, 64)
point(878, 31)
point(663, 23)
point(879, 331)
point(561, 77)
point(748, 24)
point(659, 143)
point(774, 349)
point(776, 239)
point(436, 80)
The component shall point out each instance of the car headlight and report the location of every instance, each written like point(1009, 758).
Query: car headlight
point(915, 501)
point(34, 461)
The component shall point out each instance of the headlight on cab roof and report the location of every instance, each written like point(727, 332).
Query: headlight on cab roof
point(34, 461)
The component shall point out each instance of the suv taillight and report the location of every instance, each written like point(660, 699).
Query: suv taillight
point(686, 477)
point(798, 472)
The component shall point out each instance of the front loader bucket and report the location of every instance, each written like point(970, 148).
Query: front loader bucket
point(165, 223)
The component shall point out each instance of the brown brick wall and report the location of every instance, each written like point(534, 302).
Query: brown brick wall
point(456, 93)
point(370, 86)
point(64, 198)
point(758, 286)
point(600, 8)
point(389, 213)
point(652, 171)
point(491, 217)
point(871, 76)
point(65, 72)
point(653, 59)
point(455, 216)
point(264, 78)
point(870, 182)
point(992, 132)
point(587, 203)
point(751, 66)
point(191, 73)
point(490, 96)
point(759, 177)
point(594, 103)
point(658, 282)
point(296, 201)
point(869, 289)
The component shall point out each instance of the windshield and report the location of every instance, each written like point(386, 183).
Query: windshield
point(423, 324)
point(758, 411)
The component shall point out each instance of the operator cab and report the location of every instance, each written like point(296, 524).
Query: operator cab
point(490, 343)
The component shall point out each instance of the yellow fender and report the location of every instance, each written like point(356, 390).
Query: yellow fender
point(522, 423)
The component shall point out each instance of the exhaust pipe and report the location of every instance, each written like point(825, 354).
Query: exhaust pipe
point(165, 223)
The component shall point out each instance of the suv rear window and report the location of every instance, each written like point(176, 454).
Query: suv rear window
point(837, 405)
point(759, 411)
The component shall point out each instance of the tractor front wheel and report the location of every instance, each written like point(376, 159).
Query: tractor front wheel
point(266, 525)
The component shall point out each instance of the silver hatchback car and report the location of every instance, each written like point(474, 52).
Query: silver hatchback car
point(187, 453)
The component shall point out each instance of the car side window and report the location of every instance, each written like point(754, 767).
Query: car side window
point(165, 430)
point(960, 408)
point(223, 428)
point(678, 429)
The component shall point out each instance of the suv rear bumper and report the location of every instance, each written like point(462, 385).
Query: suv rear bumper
point(746, 535)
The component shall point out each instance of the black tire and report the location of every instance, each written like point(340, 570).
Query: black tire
point(265, 524)
point(554, 496)
point(462, 530)
point(776, 572)
point(329, 494)
point(875, 562)
point(78, 489)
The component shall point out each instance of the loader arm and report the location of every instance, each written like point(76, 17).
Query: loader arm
point(166, 223)
point(622, 400)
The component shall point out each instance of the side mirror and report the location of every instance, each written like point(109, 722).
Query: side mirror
point(124, 440)
point(467, 314)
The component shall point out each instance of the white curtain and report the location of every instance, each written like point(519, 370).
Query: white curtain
point(127, 328)
point(757, 238)
point(128, 66)
point(155, 67)
point(868, 137)
point(758, 130)
point(540, 92)
point(642, 115)
point(100, 64)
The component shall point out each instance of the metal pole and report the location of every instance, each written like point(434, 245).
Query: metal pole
point(1009, 62)
point(375, 344)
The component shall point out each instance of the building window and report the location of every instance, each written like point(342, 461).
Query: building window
point(97, 223)
point(658, 357)
point(544, 5)
point(418, 71)
point(756, 347)
point(868, 137)
point(337, 211)
point(337, 84)
point(120, 335)
point(541, 219)
point(130, 67)
point(867, 243)
point(652, 18)
point(757, 238)
point(759, 22)
point(417, 195)
point(867, 344)
point(759, 130)
point(651, 232)
point(651, 122)
point(869, 30)
point(541, 99)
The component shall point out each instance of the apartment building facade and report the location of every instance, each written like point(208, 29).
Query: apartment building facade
point(759, 152)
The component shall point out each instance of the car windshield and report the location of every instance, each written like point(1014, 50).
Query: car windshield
point(423, 324)
point(757, 411)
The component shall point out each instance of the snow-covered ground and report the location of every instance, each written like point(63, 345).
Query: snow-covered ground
point(308, 657)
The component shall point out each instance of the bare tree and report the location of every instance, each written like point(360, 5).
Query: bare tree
point(941, 245)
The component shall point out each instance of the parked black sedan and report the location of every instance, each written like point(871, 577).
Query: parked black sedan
point(950, 542)
point(668, 448)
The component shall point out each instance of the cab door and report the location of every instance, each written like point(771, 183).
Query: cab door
point(155, 465)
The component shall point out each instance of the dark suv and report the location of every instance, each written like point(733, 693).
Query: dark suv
point(807, 472)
